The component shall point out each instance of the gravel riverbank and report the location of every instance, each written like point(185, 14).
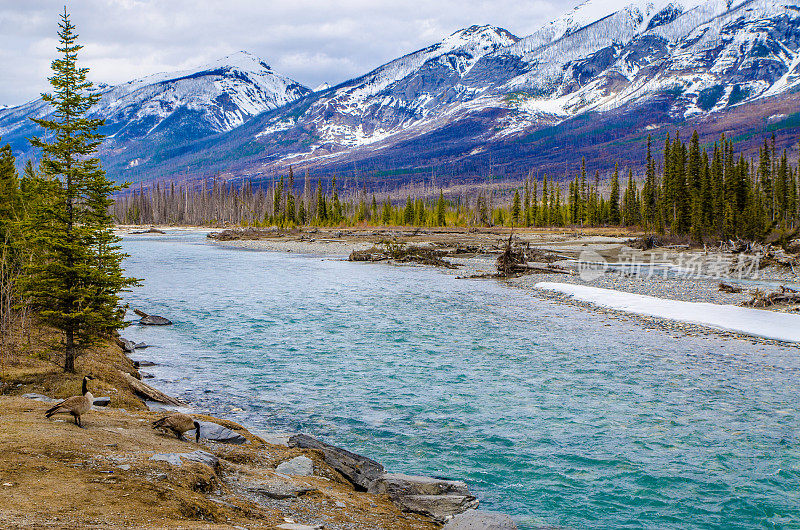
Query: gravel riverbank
point(613, 248)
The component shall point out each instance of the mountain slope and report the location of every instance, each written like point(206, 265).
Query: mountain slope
point(182, 106)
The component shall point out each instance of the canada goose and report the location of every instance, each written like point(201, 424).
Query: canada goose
point(179, 423)
point(75, 405)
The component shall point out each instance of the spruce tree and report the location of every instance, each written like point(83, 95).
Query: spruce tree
point(516, 208)
point(76, 278)
point(386, 214)
point(614, 200)
point(649, 191)
point(441, 209)
point(9, 192)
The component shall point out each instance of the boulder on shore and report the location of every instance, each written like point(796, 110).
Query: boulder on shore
point(176, 459)
point(397, 484)
point(151, 320)
point(216, 433)
point(438, 507)
point(480, 520)
point(299, 465)
point(359, 470)
point(276, 488)
point(126, 345)
point(137, 364)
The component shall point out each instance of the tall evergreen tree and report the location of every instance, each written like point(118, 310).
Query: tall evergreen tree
point(77, 277)
point(614, 199)
point(516, 208)
point(441, 209)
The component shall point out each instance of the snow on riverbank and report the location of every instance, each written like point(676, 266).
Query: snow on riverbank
point(755, 322)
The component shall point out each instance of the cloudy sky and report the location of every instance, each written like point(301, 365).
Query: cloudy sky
point(312, 41)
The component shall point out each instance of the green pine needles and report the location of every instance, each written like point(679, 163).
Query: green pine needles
point(75, 276)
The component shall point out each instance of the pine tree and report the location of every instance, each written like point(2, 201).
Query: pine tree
point(526, 203)
point(441, 209)
point(408, 212)
point(649, 191)
point(77, 277)
point(630, 202)
point(516, 208)
point(322, 207)
point(386, 214)
point(765, 178)
point(9, 192)
point(545, 206)
point(614, 200)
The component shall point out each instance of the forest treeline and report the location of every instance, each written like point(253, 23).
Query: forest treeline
point(706, 192)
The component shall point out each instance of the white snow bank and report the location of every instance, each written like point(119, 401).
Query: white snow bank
point(755, 322)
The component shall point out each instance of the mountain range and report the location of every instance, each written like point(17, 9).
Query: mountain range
point(481, 103)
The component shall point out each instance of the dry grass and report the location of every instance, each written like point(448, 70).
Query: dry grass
point(62, 476)
point(37, 368)
point(68, 477)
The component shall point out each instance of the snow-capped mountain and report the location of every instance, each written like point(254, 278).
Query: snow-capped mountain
point(710, 54)
point(602, 74)
point(406, 90)
point(182, 105)
point(699, 56)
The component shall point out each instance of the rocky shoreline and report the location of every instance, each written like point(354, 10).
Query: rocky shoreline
point(443, 502)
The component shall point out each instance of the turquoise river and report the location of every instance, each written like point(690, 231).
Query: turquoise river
point(557, 415)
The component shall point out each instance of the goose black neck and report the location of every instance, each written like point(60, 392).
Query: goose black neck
point(85, 386)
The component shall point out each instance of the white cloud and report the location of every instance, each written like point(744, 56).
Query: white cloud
point(309, 40)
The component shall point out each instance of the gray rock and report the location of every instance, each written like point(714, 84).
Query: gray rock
point(127, 346)
point(40, 397)
point(216, 433)
point(141, 345)
point(397, 484)
point(279, 489)
point(359, 470)
point(176, 459)
point(137, 364)
point(438, 507)
point(154, 320)
point(480, 520)
point(146, 375)
point(101, 401)
point(275, 438)
point(299, 465)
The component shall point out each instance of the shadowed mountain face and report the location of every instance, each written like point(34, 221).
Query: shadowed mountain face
point(480, 101)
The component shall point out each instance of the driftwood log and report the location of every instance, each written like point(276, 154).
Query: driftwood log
point(729, 288)
point(148, 392)
point(785, 295)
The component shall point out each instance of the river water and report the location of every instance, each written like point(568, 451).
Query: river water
point(557, 415)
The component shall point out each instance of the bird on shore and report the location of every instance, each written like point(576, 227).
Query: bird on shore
point(179, 423)
point(75, 405)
